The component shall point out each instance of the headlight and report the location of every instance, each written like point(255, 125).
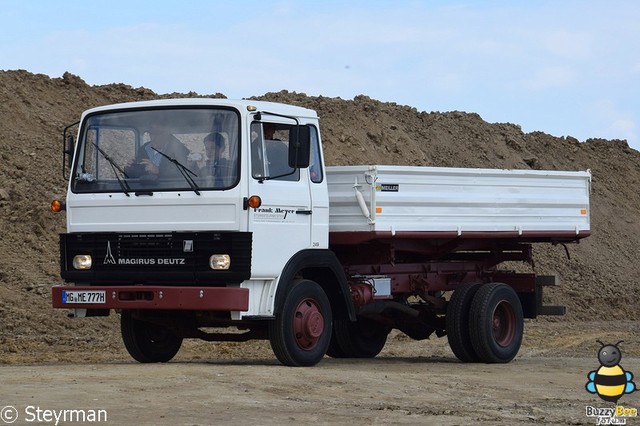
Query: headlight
point(82, 261)
point(220, 261)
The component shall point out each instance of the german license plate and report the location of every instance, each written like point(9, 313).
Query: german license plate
point(84, 296)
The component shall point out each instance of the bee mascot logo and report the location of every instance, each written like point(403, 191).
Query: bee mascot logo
point(610, 381)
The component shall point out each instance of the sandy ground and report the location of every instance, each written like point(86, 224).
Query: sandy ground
point(387, 390)
point(242, 383)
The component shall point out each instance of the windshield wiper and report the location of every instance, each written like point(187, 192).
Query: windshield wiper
point(184, 171)
point(123, 183)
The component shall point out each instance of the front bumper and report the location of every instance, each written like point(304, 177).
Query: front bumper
point(156, 297)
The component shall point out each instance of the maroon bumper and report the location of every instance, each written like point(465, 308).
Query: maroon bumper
point(153, 297)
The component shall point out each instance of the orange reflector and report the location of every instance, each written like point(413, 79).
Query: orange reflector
point(57, 206)
point(583, 211)
point(378, 209)
point(254, 202)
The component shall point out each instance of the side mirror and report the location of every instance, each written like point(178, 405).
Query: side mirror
point(68, 144)
point(67, 154)
point(299, 147)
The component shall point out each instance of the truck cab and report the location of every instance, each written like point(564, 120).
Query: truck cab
point(193, 205)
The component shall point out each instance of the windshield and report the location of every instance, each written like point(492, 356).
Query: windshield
point(158, 150)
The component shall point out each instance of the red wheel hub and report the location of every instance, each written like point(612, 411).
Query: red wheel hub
point(504, 324)
point(308, 324)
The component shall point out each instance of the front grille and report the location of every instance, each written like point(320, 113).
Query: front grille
point(177, 257)
point(150, 246)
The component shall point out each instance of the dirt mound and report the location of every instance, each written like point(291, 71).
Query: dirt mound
point(598, 281)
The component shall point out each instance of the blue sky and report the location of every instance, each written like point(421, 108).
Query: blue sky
point(568, 68)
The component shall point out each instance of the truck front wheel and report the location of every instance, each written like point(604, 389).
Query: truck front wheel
point(496, 323)
point(147, 342)
point(301, 331)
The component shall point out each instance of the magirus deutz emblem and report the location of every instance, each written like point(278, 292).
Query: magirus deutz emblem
point(109, 258)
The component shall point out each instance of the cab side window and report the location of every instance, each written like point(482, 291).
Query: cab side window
point(315, 165)
point(270, 152)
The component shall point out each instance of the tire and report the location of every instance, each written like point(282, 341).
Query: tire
point(147, 342)
point(334, 350)
point(496, 323)
point(301, 332)
point(361, 339)
point(457, 322)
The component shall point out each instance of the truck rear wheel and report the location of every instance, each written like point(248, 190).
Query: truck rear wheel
point(147, 342)
point(496, 323)
point(458, 332)
point(301, 331)
point(361, 339)
point(334, 350)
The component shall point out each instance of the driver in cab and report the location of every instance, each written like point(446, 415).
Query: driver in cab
point(150, 159)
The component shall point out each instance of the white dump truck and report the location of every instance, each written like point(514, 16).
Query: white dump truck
point(217, 219)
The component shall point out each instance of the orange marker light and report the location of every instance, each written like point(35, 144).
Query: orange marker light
point(254, 202)
point(57, 206)
point(583, 211)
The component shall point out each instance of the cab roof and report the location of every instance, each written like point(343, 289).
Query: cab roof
point(242, 105)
